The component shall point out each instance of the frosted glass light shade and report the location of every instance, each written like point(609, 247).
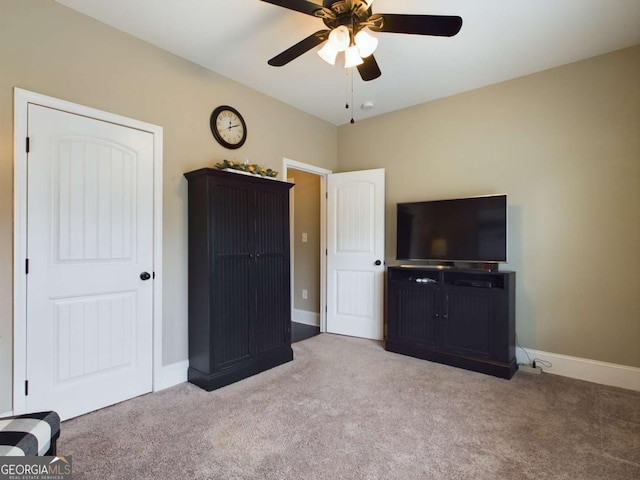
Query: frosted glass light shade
point(352, 57)
point(340, 38)
point(328, 54)
point(366, 43)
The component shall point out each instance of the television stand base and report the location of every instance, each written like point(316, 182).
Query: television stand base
point(464, 318)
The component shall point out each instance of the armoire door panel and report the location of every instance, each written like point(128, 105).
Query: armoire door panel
point(231, 218)
point(271, 219)
point(273, 303)
point(231, 306)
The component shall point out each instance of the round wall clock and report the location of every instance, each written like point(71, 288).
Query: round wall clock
point(228, 127)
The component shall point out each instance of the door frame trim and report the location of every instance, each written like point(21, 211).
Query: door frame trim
point(22, 99)
point(323, 173)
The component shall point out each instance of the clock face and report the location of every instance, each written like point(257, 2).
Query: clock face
point(228, 127)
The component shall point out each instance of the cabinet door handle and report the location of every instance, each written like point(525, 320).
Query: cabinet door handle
point(251, 255)
point(378, 262)
point(446, 306)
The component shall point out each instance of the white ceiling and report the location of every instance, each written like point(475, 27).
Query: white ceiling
point(499, 40)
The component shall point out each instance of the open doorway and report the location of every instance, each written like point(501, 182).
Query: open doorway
point(308, 244)
point(305, 208)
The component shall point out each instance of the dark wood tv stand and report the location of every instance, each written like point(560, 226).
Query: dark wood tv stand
point(463, 318)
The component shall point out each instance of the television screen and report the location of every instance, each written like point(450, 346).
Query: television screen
point(463, 230)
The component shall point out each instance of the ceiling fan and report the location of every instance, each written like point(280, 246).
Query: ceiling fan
point(346, 21)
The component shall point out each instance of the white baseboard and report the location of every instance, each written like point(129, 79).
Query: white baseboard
point(303, 316)
point(171, 375)
point(6, 414)
point(584, 369)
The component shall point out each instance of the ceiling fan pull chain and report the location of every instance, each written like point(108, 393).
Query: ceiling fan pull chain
point(351, 75)
point(346, 88)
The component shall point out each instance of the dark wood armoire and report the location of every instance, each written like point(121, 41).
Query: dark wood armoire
point(239, 276)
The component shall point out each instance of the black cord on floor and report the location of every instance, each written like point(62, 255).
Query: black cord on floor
point(525, 352)
point(536, 360)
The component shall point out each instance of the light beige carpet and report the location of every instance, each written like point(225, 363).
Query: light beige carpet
point(347, 409)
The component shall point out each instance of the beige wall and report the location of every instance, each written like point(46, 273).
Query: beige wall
point(564, 145)
point(49, 49)
point(306, 254)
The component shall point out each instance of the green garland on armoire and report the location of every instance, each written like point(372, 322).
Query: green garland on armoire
point(252, 168)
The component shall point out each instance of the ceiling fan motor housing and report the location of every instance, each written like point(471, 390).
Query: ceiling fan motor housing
point(353, 14)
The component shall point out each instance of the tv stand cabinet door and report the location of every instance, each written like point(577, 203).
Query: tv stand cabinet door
point(413, 314)
point(468, 323)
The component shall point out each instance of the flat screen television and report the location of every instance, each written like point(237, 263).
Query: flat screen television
point(458, 230)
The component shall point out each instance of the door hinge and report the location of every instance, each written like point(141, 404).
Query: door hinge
point(153, 275)
point(26, 388)
point(326, 195)
point(27, 144)
point(326, 251)
point(325, 309)
point(26, 266)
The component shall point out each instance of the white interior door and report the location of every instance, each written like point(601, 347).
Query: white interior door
point(355, 253)
point(90, 237)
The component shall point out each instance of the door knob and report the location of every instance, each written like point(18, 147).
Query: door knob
point(378, 262)
point(145, 276)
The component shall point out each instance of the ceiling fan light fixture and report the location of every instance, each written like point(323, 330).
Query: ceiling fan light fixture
point(328, 54)
point(344, 21)
point(352, 57)
point(366, 43)
point(340, 38)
